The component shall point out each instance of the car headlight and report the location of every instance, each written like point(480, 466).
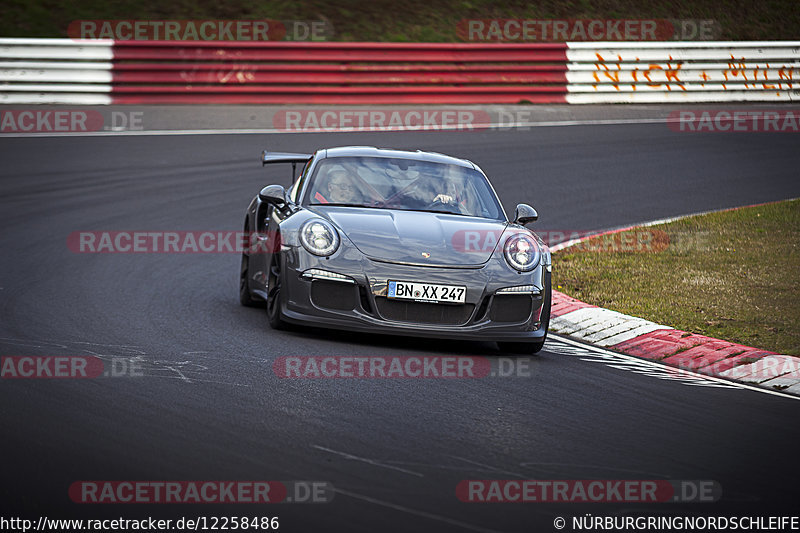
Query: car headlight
point(522, 252)
point(319, 237)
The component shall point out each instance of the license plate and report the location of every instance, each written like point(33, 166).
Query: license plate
point(427, 292)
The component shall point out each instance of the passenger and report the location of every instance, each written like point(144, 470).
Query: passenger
point(448, 194)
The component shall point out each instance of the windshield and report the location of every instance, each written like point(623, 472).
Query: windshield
point(404, 184)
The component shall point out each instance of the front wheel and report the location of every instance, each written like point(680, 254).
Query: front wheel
point(245, 296)
point(274, 294)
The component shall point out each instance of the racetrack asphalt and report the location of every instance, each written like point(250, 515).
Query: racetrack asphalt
point(209, 406)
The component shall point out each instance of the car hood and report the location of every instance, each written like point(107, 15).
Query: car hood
point(408, 236)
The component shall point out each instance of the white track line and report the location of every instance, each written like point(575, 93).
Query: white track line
point(567, 244)
point(372, 462)
point(416, 512)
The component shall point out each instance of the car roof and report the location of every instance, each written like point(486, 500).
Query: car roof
point(416, 155)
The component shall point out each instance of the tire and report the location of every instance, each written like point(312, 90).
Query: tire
point(245, 297)
point(274, 294)
point(529, 348)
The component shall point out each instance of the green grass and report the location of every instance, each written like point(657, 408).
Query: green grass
point(733, 275)
point(408, 20)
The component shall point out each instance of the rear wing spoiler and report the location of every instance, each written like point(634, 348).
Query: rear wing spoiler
point(268, 158)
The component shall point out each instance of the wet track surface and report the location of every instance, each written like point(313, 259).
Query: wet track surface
point(209, 406)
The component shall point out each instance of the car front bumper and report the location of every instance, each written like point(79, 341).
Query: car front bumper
point(359, 303)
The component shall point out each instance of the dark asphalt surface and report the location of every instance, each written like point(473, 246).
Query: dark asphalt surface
point(209, 406)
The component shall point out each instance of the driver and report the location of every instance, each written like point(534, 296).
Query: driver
point(342, 188)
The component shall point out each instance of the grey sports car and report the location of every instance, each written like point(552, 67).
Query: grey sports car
point(399, 242)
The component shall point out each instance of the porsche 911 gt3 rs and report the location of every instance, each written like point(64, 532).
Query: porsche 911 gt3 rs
point(398, 242)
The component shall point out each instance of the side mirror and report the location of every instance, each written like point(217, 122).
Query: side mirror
point(273, 194)
point(525, 214)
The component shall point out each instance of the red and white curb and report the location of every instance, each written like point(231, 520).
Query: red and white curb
point(687, 351)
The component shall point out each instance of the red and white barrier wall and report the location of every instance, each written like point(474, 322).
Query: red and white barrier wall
point(665, 72)
point(67, 71)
